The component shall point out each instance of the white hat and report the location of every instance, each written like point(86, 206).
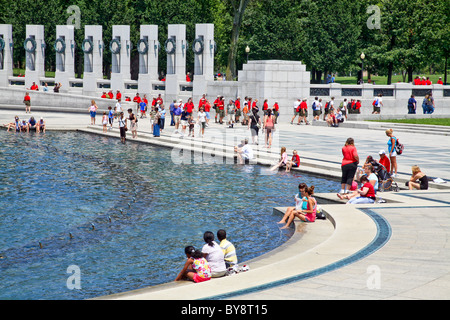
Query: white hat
point(382, 152)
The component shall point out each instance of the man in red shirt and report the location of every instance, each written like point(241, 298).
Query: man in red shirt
point(216, 107)
point(303, 112)
point(189, 107)
point(384, 160)
point(34, 87)
point(423, 82)
point(417, 81)
point(159, 100)
point(202, 102)
point(137, 100)
point(221, 108)
point(110, 94)
point(254, 106)
point(118, 95)
point(358, 106)
point(104, 95)
point(27, 102)
point(237, 106)
point(276, 112)
point(428, 81)
point(440, 81)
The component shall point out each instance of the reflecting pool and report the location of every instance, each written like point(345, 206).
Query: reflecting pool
point(122, 214)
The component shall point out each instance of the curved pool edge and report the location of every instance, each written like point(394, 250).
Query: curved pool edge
point(349, 235)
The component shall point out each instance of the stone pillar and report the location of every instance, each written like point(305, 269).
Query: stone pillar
point(148, 48)
point(176, 48)
point(121, 57)
point(92, 47)
point(275, 80)
point(6, 54)
point(65, 56)
point(34, 45)
point(203, 47)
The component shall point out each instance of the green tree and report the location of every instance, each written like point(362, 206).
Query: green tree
point(332, 30)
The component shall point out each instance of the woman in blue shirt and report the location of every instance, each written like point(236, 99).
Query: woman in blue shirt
point(391, 150)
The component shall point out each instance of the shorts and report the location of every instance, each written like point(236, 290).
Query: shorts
point(303, 113)
point(176, 118)
point(93, 114)
point(394, 153)
point(297, 113)
point(111, 120)
point(221, 113)
point(198, 279)
point(27, 103)
point(207, 115)
point(376, 109)
point(316, 113)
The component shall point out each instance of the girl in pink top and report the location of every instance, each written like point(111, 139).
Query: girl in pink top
point(283, 160)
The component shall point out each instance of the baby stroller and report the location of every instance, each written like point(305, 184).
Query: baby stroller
point(385, 180)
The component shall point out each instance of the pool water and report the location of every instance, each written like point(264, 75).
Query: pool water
point(123, 213)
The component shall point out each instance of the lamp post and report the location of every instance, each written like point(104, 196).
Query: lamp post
point(362, 56)
point(247, 51)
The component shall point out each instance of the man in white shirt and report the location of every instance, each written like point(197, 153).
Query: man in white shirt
point(245, 153)
point(296, 107)
point(118, 106)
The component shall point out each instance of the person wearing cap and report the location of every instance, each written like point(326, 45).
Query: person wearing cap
point(177, 114)
point(40, 126)
point(384, 160)
point(440, 81)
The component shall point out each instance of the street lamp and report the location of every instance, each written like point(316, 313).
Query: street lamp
point(247, 51)
point(362, 56)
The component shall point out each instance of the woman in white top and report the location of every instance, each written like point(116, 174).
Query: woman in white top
point(202, 119)
point(283, 160)
point(214, 255)
point(122, 127)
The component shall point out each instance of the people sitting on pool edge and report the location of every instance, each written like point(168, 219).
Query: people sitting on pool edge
point(24, 126)
point(365, 195)
point(305, 206)
point(417, 175)
point(210, 262)
point(366, 171)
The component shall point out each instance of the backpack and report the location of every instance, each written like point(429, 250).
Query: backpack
point(320, 214)
point(375, 103)
point(314, 106)
point(327, 105)
point(399, 147)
